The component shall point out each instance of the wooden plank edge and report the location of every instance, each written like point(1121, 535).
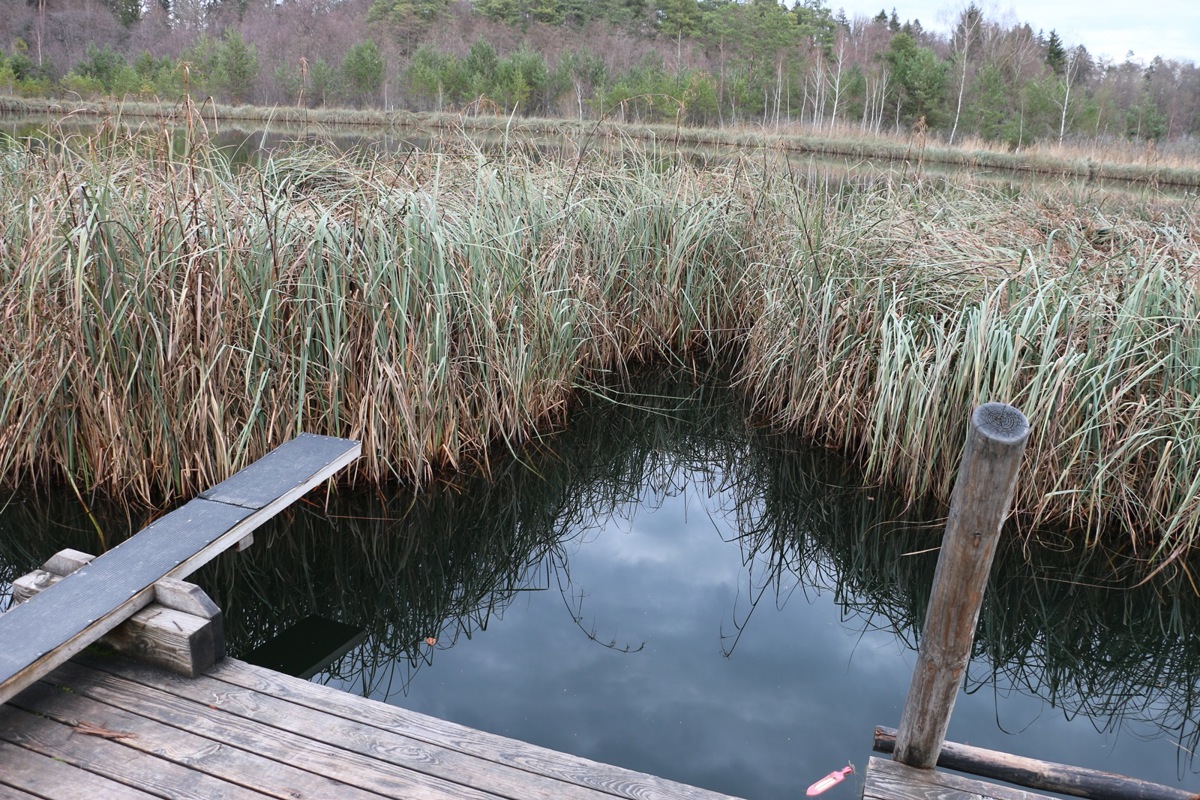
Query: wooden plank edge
point(1035, 773)
point(47, 662)
point(140, 599)
point(555, 764)
point(250, 523)
point(891, 780)
point(144, 694)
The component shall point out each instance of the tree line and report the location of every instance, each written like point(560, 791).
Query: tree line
point(695, 62)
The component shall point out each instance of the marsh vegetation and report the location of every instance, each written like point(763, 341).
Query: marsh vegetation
point(168, 317)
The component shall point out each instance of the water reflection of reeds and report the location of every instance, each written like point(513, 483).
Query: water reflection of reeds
point(1079, 627)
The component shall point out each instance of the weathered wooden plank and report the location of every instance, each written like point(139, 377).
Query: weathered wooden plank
point(200, 714)
point(9, 793)
point(380, 743)
point(48, 629)
point(64, 562)
point(890, 780)
point(218, 759)
point(187, 598)
point(24, 773)
point(283, 470)
point(563, 767)
point(104, 753)
point(1047, 776)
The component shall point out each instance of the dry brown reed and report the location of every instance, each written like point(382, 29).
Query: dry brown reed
point(168, 318)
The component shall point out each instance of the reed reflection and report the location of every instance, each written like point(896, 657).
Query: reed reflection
point(1086, 631)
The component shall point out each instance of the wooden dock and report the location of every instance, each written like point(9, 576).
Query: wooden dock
point(107, 727)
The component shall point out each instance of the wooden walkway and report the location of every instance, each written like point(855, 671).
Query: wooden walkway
point(106, 727)
point(890, 780)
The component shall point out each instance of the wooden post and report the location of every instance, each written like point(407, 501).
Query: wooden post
point(986, 481)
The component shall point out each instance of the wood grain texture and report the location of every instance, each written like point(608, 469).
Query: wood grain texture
point(172, 640)
point(982, 494)
point(202, 715)
point(112, 758)
point(181, 631)
point(405, 738)
point(60, 621)
point(889, 780)
point(1047, 776)
point(217, 759)
point(28, 773)
point(10, 793)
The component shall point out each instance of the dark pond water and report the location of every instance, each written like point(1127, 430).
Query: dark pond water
point(666, 587)
point(246, 143)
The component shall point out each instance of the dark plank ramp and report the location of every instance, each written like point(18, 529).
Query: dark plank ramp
point(889, 780)
point(48, 629)
point(374, 746)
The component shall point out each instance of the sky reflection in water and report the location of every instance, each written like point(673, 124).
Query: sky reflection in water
point(628, 651)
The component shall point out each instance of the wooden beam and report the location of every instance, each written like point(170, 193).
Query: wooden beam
point(65, 618)
point(986, 481)
point(1044, 775)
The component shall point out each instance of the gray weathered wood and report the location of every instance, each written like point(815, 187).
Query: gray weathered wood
point(1047, 776)
point(217, 758)
point(200, 707)
point(64, 562)
point(404, 739)
point(45, 776)
point(986, 481)
point(48, 629)
point(106, 755)
point(172, 640)
point(30, 584)
point(182, 630)
point(889, 780)
point(187, 598)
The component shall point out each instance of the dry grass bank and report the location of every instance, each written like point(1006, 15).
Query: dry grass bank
point(166, 319)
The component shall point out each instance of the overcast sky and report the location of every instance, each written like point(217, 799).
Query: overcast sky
point(1170, 28)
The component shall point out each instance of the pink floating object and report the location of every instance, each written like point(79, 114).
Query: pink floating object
point(832, 779)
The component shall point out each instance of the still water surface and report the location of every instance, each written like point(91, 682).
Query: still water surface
point(668, 588)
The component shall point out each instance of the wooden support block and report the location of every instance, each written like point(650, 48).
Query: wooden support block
point(64, 562)
point(181, 631)
point(181, 643)
point(27, 586)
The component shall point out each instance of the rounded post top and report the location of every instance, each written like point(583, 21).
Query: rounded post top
point(1000, 423)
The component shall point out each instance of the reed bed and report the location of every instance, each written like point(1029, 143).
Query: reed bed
point(168, 318)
